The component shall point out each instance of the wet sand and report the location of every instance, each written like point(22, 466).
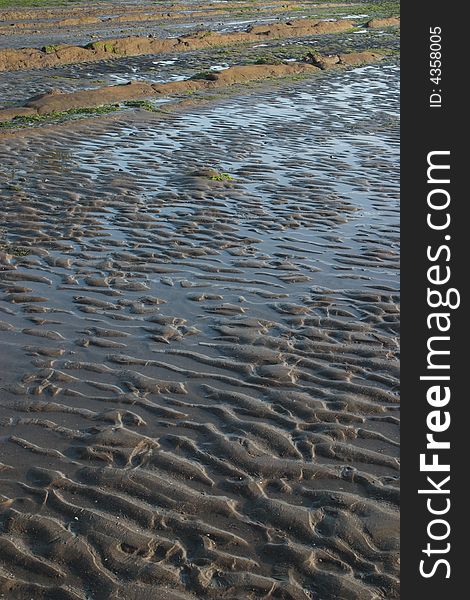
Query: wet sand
point(76, 23)
point(199, 320)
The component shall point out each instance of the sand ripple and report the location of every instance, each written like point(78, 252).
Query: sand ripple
point(200, 382)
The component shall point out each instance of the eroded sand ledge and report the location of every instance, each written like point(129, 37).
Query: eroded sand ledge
point(200, 311)
point(12, 59)
point(78, 16)
point(57, 102)
point(131, 10)
point(385, 22)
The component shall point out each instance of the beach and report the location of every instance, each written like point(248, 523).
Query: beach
point(199, 302)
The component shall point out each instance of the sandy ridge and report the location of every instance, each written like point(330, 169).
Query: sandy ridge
point(145, 14)
point(50, 56)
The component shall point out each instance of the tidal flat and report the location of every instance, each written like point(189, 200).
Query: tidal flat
point(199, 300)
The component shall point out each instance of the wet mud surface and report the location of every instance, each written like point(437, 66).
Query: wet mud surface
point(199, 323)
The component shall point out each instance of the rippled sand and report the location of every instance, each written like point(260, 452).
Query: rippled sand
point(200, 377)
